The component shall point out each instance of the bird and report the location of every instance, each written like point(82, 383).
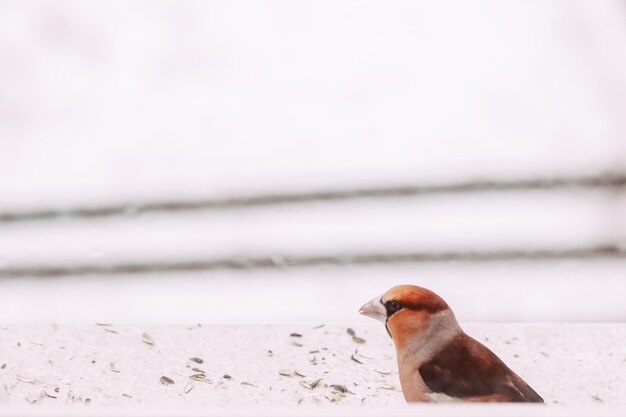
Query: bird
point(437, 361)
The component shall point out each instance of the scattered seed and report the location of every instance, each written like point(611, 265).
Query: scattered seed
point(4, 365)
point(340, 388)
point(319, 327)
point(249, 384)
point(188, 387)
point(200, 378)
point(356, 339)
point(355, 359)
point(296, 343)
point(295, 335)
point(36, 399)
point(270, 353)
point(127, 395)
point(597, 398)
point(114, 368)
point(26, 380)
point(106, 329)
point(104, 324)
point(226, 376)
point(50, 395)
point(285, 372)
point(351, 332)
point(198, 370)
point(388, 386)
point(314, 351)
point(382, 372)
point(310, 385)
point(312, 358)
point(333, 396)
point(299, 373)
point(36, 343)
point(545, 354)
point(196, 360)
point(148, 339)
point(166, 380)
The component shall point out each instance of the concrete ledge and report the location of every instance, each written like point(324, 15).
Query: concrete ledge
point(270, 365)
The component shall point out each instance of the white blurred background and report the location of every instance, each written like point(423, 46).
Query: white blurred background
point(124, 104)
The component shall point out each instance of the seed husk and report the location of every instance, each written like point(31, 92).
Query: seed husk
point(340, 388)
point(226, 376)
point(310, 385)
point(350, 332)
point(196, 360)
point(188, 387)
point(198, 370)
point(295, 335)
point(248, 383)
point(26, 380)
point(299, 373)
point(383, 372)
point(355, 359)
point(106, 329)
point(296, 343)
point(167, 380)
point(319, 326)
point(148, 339)
point(286, 372)
point(357, 339)
point(104, 324)
point(114, 368)
point(388, 386)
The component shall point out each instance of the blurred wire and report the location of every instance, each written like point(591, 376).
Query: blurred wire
point(603, 181)
point(301, 261)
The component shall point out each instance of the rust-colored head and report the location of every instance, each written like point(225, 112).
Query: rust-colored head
point(406, 311)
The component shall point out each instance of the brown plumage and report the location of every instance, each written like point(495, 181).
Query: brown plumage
point(437, 361)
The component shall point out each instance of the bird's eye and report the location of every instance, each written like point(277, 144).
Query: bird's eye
point(392, 306)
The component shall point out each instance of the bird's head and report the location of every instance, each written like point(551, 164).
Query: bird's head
point(406, 311)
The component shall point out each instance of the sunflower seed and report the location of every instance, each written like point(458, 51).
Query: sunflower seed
point(148, 339)
point(285, 372)
point(166, 380)
point(388, 386)
point(357, 339)
point(198, 370)
point(350, 332)
point(248, 384)
point(226, 376)
point(26, 380)
point(382, 372)
point(340, 388)
point(319, 327)
point(333, 396)
point(295, 335)
point(196, 360)
point(310, 385)
point(188, 387)
point(356, 360)
point(299, 373)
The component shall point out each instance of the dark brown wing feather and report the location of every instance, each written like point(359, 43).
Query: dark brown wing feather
point(471, 370)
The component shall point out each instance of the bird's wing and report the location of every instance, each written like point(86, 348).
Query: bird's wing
point(468, 370)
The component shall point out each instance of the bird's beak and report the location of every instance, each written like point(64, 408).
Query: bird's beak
point(375, 309)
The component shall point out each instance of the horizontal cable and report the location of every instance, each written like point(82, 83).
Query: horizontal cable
point(604, 181)
point(301, 261)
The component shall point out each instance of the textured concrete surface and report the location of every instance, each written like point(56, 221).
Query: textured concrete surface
point(245, 365)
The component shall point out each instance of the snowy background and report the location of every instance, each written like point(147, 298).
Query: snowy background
point(113, 102)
